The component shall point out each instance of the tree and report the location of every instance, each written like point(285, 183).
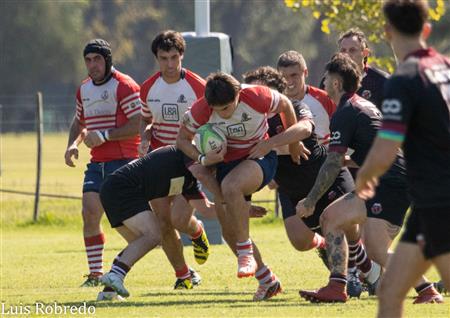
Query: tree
point(341, 15)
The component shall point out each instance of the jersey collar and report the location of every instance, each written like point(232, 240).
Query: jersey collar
point(421, 53)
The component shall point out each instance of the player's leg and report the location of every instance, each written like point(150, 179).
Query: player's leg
point(184, 221)
point(442, 263)
point(244, 179)
point(268, 283)
point(404, 268)
point(435, 229)
point(94, 238)
point(171, 243)
point(338, 221)
point(142, 234)
point(378, 235)
point(92, 212)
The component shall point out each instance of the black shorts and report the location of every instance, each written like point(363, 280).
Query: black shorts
point(430, 228)
point(343, 184)
point(121, 199)
point(390, 203)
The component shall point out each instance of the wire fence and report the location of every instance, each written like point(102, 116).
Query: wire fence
point(18, 115)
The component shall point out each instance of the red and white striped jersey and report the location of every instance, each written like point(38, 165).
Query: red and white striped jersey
point(106, 106)
point(322, 108)
point(166, 103)
point(246, 126)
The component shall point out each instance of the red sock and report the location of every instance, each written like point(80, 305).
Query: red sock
point(94, 251)
point(317, 242)
point(265, 276)
point(183, 273)
point(199, 231)
point(244, 248)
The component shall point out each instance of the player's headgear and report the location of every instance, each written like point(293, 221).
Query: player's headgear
point(103, 48)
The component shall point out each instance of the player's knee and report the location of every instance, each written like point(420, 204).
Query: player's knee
point(91, 216)
point(165, 226)
point(153, 238)
point(326, 219)
point(180, 221)
point(230, 191)
point(299, 243)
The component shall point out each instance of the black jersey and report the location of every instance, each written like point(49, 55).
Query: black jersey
point(160, 173)
point(354, 126)
point(302, 112)
point(372, 85)
point(416, 110)
point(296, 180)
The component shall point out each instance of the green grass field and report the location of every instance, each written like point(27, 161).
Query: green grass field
point(45, 262)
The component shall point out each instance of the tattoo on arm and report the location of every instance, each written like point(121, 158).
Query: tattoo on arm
point(327, 175)
point(336, 250)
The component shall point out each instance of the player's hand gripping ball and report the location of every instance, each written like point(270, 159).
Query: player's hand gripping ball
point(209, 137)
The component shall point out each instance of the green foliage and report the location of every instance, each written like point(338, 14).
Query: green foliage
point(32, 46)
point(338, 16)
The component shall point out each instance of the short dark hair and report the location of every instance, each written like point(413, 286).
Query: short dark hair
point(406, 16)
point(342, 65)
point(268, 76)
point(168, 40)
point(362, 39)
point(291, 58)
point(221, 89)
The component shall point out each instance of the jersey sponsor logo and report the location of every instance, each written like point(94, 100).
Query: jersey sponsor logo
point(182, 99)
point(237, 130)
point(439, 74)
point(170, 112)
point(176, 186)
point(391, 106)
point(376, 208)
point(335, 136)
point(153, 100)
point(245, 117)
point(366, 94)
point(105, 95)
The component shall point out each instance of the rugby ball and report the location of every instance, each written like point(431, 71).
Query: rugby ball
point(209, 137)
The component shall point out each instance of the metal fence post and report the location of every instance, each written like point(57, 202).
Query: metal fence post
point(40, 132)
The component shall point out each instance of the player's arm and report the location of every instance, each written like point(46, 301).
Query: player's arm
point(145, 126)
point(292, 133)
point(184, 143)
point(380, 158)
point(327, 175)
point(76, 135)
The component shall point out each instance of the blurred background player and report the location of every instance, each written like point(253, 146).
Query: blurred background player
point(107, 119)
point(292, 66)
point(166, 96)
point(353, 42)
point(416, 110)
